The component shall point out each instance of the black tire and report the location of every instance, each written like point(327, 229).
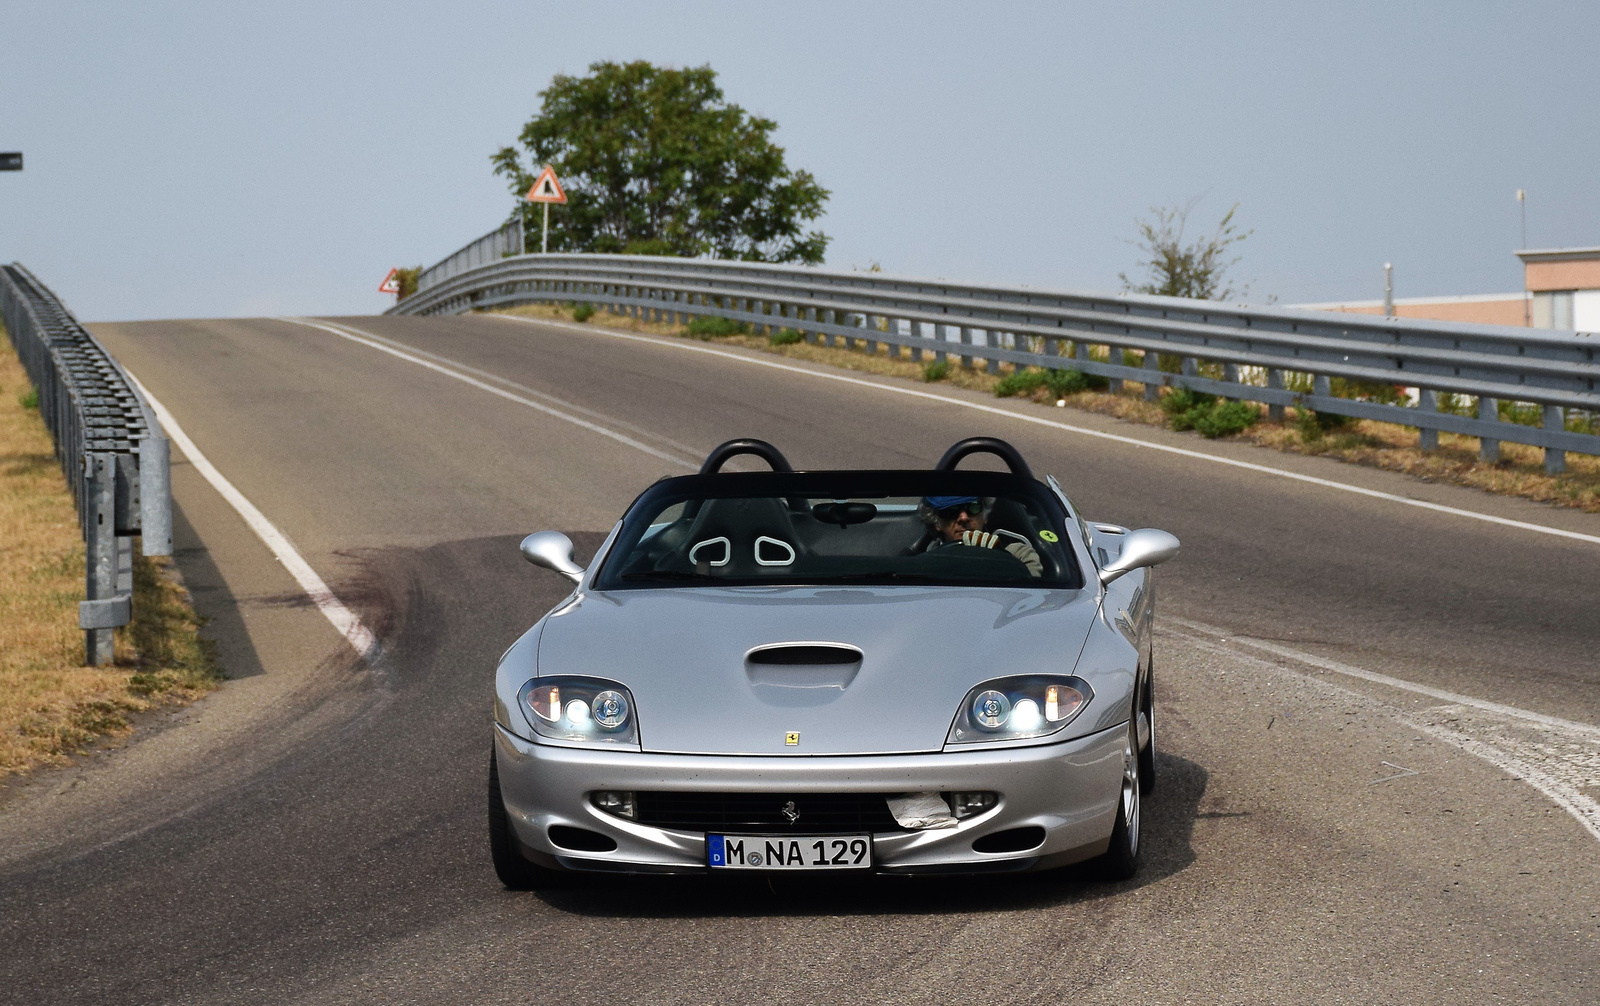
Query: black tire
point(1147, 753)
point(1121, 859)
point(513, 869)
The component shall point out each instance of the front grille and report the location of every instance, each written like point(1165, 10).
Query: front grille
point(763, 813)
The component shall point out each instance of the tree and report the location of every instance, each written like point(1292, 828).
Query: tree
point(654, 161)
point(1198, 269)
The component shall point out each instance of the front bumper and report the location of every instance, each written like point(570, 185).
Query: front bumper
point(1069, 789)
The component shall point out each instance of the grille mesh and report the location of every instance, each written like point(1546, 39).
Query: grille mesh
point(819, 813)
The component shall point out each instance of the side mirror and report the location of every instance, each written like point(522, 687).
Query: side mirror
point(552, 550)
point(1144, 547)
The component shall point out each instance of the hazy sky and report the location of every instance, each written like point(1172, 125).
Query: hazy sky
point(210, 159)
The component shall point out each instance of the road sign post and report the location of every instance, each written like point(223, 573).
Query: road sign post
point(546, 190)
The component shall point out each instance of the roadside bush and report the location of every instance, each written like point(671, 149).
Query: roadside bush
point(30, 398)
point(1210, 416)
point(709, 326)
point(786, 337)
point(1024, 382)
point(1069, 382)
point(935, 370)
point(1060, 383)
point(1224, 419)
point(582, 312)
point(1185, 407)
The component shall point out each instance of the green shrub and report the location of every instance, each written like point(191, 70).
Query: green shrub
point(935, 370)
point(1023, 382)
point(786, 337)
point(582, 312)
point(1069, 382)
point(1186, 407)
point(1196, 410)
point(709, 326)
point(30, 398)
point(1224, 419)
point(1060, 383)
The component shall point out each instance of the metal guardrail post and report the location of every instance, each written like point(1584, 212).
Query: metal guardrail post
point(1555, 459)
point(1152, 384)
point(100, 614)
point(1488, 448)
point(1274, 382)
point(1427, 401)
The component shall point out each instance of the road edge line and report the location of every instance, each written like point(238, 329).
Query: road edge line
point(345, 621)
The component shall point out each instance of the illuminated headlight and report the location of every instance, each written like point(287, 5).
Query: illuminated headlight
point(1016, 708)
point(582, 710)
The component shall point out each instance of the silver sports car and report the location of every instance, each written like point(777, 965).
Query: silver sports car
point(906, 672)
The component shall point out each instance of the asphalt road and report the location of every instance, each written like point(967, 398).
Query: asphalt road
point(314, 831)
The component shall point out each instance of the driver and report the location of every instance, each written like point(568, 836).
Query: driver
point(959, 520)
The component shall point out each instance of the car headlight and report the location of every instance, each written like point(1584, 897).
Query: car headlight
point(582, 710)
point(1033, 705)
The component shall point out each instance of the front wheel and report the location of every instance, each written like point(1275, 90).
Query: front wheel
point(1121, 859)
point(513, 869)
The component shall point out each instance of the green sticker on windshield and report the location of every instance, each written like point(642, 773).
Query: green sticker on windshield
point(1049, 536)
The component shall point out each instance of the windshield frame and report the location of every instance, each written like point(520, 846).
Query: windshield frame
point(824, 485)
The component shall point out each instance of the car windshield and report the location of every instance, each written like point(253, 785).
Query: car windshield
point(950, 528)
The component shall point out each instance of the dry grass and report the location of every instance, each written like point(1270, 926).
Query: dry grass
point(50, 705)
point(1520, 471)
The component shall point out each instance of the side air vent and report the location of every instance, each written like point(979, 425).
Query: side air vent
point(580, 839)
point(1011, 840)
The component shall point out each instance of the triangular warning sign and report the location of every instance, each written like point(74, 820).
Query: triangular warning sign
point(391, 282)
point(547, 189)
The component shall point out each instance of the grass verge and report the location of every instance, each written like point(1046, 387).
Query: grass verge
point(51, 706)
point(1520, 471)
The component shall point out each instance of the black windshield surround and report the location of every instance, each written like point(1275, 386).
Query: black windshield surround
point(781, 529)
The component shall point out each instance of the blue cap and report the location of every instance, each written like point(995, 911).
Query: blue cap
point(946, 502)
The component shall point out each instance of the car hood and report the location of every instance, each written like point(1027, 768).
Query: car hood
point(682, 653)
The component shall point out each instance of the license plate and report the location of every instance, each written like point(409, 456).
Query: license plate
point(789, 852)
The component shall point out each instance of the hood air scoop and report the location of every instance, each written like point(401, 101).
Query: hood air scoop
point(793, 675)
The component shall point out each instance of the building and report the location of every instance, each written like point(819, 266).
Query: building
point(1565, 287)
point(1561, 289)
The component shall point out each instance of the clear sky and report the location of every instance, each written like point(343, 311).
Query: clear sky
point(220, 159)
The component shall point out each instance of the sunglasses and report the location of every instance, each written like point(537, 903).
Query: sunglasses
point(950, 513)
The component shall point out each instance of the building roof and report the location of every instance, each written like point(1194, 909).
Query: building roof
point(1558, 254)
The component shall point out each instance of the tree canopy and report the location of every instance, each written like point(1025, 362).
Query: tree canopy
point(655, 161)
point(1198, 269)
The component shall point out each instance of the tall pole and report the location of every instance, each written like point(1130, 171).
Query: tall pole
point(544, 236)
point(1527, 298)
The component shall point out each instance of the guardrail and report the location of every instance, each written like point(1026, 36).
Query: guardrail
point(492, 247)
point(1279, 356)
point(108, 442)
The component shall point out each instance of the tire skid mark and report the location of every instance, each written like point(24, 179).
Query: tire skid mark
point(1559, 758)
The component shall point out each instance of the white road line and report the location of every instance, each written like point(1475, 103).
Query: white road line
point(347, 622)
point(561, 403)
point(410, 357)
point(679, 344)
point(1349, 671)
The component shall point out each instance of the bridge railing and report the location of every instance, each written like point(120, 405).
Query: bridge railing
point(1278, 356)
point(492, 247)
point(108, 442)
